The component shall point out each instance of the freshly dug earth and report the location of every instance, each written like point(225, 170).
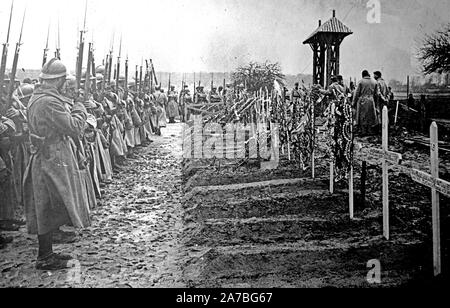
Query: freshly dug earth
point(298, 235)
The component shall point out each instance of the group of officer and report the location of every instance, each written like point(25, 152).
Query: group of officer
point(59, 147)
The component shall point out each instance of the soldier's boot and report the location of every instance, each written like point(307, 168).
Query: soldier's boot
point(53, 262)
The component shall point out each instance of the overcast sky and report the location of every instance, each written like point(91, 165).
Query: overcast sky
point(218, 35)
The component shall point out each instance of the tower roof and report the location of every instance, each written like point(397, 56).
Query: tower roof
point(333, 26)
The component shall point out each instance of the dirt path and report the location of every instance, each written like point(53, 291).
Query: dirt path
point(134, 240)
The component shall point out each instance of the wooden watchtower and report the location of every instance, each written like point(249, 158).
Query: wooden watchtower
point(325, 43)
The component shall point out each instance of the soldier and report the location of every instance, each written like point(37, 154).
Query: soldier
point(182, 104)
point(82, 154)
point(296, 100)
point(200, 95)
point(381, 94)
point(200, 98)
point(118, 148)
point(366, 115)
point(53, 189)
point(336, 90)
point(7, 129)
point(160, 100)
point(242, 92)
point(172, 107)
point(7, 194)
point(20, 146)
point(214, 97)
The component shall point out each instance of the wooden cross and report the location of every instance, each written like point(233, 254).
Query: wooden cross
point(386, 157)
point(437, 186)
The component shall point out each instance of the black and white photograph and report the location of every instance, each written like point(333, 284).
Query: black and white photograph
point(247, 145)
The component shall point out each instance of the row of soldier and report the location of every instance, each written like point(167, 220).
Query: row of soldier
point(58, 150)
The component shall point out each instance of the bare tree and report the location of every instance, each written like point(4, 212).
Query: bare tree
point(435, 52)
point(258, 75)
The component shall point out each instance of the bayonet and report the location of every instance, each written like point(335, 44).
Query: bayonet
point(85, 16)
point(136, 77)
point(118, 66)
point(168, 88)
point(141, 88)
point(58, 44)
point(153, 72)
point(5, 51)
point(15, 63)
point(125, 96)
point(44, 58)
point(87, 83)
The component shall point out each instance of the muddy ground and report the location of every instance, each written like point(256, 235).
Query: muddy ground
point(161, 224)
point(135, 236)
point(296, 234)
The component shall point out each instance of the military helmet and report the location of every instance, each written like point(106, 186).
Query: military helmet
point(53, 69)
point(100, 69)
point(122, 78)
point(24, 91)
point(71, 81)
point(91, 120)
point(99, 76)
point(83, 75)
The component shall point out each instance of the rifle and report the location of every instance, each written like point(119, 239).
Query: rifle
point(81, 51)
point(168, 89)
point(136, 77)
point(5, 52)
point(105, 73)
point(125, 95)
point(118, 67)
point(58, 45)
point(150, 73)
point(182, 84)
point(110, 65)
point(147, 79)
point(87, 83)
point(44, 58)
point(141, 88)
point(15, 62)
point(94, 70)
point(153, 71)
